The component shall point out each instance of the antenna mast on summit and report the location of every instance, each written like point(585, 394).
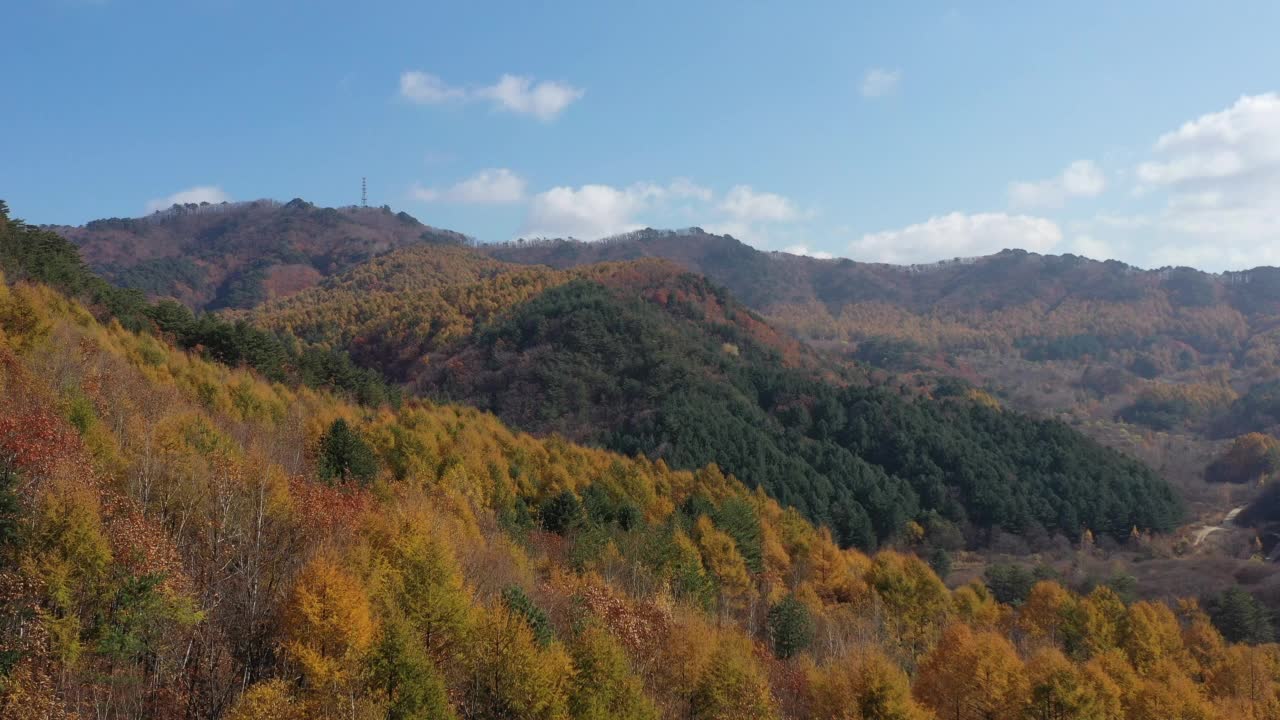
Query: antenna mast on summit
point(364, 193)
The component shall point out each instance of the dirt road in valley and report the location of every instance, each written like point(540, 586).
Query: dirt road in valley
point(1227, 522)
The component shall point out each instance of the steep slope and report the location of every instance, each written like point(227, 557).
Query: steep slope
point(29, 253)
point(396, 311)
point(180, 539)
point(642, 358)
point(1163, 363)
point(239, 254)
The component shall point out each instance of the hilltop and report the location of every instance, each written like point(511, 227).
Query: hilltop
point(236, 255)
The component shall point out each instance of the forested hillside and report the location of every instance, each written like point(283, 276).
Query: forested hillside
point(1167, 364)
point(958, 295)
point(641, 358)
point(1150, 323)
point(240, 254)
point(185, 539)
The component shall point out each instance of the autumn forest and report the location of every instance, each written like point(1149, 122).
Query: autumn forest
point(266, 460)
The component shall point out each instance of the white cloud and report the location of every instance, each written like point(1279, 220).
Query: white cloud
point(594, 211)
point(544, 100)
point(754, 217)
point(878, 82)
point(1211, 257)
point(498, 186)
point(1084, 179)
point(686, 188)
point(197, 195)
point(1081, 178)
point(750, 234)
point(1238, 143)
point(804, 250)
point(957, 235)
point(587, 212)
point(1219, 178)
point(746, 205)
point(427, 89)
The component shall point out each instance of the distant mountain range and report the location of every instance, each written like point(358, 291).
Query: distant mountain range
point(1103, 344)
point(644, 357)
point(774, 281)
point(222, 514)
point(1157, 331)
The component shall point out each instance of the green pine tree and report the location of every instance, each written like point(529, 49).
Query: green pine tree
point(345, 456)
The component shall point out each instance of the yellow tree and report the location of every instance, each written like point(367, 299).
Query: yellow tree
point(68, 555)
point(1113, 678)
point(972, 676)
point(733, 686)
point(1108, 694)
point(511, 677)
point(857, 688)
point(329, 628)
point(916, 602)
point(681, 657)
point(1202, 640)
point(426, 584)
point(1168, 694)
point(1104, 620)
point(1251, 457)
point(1153, 636)
point(1244, 681)
point(838, 576)
point(604, 686)
point(977, 607)
point(1042, 615)
point(1062, 691)
point(725, 562)
point(267, 700)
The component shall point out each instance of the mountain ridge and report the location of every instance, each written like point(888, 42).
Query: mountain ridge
point(182, 536)
point(709, 253)
point(211, 256)
point(1165, 364)
point(643, 357)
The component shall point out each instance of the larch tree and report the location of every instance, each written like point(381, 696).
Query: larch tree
point(1244, 681)
point(329, 628)
point(733, 685)
point(604, 686)
point(1042, 616)
point(720, 553)
point(510, 676)
point(973, 676)
point(1059, 690)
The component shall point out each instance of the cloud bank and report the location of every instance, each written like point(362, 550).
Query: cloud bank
point(200, 193)
point(1081, 178)
point(518, 94)
point(1218, 177)
point(496, 186)
point(957, 235)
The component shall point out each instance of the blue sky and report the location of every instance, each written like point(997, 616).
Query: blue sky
point(903, 132)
